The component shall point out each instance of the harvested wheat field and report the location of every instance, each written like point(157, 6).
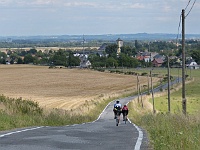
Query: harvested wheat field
point(63, 88)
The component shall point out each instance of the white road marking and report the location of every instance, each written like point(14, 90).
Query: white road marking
point(140, 136)
point(10, 133)
point(137, 146)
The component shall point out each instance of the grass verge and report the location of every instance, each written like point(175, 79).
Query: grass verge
point(171, 130)
point(17, 113)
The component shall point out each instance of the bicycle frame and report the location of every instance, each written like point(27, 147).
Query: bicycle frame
point(117, 118)
point(125, 117)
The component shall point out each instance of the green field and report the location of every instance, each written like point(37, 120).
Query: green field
point(173, 130)
point(192, 94)
point(192, 90)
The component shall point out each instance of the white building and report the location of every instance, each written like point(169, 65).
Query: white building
point(119, 44)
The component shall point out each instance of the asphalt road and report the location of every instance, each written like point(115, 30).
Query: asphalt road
point(102, 134)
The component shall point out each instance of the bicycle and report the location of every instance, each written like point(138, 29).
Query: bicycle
point(125, 118)
point(117, 117)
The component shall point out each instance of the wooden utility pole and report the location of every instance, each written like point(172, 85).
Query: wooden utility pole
point(148, 85)
point(138, 89)
point(152, 92)
point(141, 95)
point(183, 63)
point(168, 73)
point(83, 45)
point(178, 74)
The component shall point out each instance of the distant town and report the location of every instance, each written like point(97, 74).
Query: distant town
point(101, 51)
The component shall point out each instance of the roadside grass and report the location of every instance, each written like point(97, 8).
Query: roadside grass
point(192, 96)
point(172, 130)
point(18, 113)
point(166, 131)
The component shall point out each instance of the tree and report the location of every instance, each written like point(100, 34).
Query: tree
point(97, 61)
point(127, 61)
point(138, 46)
point(12, 61)
point(3, 55)
point(59, 58)
point(111, 49)
point(32, 51)
point(28, 59)
point(196, 56)
point(3, 61)
point(19, 61)
point(72, 60)
point(111, 62)
point(128, 50)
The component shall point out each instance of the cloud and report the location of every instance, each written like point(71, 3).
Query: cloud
point(41, 2)
point(77, 4)
point(5, 2)
point(26, 3)
point(137, 6)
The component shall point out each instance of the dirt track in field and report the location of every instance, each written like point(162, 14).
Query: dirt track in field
point(62, 88)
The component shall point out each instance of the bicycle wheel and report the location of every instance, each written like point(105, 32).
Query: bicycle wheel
point(117, 121)
point(125, 119)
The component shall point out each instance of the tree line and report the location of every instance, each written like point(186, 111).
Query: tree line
point(109, 58)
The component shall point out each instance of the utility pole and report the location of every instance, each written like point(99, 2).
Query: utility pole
point(83, 45)
point(178, 74)
point(152, 93)
point(138, 89)
point(183, 63)
point(148, 85)
point(168, 72)
point(141, 95)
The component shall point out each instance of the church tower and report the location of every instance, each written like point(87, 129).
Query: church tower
point(119, 44)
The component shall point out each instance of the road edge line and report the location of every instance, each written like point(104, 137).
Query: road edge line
point(140, 137)
point(10, 133)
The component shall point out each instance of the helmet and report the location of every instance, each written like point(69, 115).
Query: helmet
point(117, 101)
point(125, 105)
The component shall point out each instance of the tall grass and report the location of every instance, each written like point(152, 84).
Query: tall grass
point(17, 113)
point(168, 131)
point(172, 131)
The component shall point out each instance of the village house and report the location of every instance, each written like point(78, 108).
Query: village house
point(146, 56)
point(85, 63)
point(157, 62)
point(191, 64)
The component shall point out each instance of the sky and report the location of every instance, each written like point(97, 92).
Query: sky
point(96, 17)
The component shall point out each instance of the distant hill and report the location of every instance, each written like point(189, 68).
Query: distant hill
point(103, 37)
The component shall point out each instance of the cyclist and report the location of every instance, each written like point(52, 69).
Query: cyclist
point(124, 111)
point(117, 108)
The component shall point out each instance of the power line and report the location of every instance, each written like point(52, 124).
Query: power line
point(188, 4)
point(191, 8)
point(185, 17)
point(178, 29)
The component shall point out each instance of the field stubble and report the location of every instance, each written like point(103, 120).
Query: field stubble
point(63, 88)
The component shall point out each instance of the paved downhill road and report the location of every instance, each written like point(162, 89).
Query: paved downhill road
point(102, 134)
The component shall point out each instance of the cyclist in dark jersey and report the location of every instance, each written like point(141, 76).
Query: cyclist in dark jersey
point(117, 109)
point(124, 111)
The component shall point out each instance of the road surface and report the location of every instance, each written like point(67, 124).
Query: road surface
point(102, 134)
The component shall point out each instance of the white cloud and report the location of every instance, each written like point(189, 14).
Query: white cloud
point(5, 2)
point(101, 15)
point(77, 4)
point(41, 2)
point(137, 6)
